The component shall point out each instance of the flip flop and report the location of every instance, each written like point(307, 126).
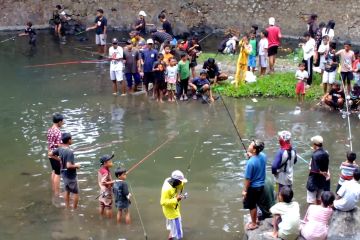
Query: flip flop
point(250, 228)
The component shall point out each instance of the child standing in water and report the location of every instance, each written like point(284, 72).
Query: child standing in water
point(159, 77)
point(301, 76)
point(105, 184)
point(29, 31)
point(122, 195)
point(171, 79)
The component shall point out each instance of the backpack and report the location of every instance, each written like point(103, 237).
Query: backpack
point(284, 164)
point(222, 45)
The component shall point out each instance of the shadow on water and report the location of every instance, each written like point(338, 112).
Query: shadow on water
point(205, 147)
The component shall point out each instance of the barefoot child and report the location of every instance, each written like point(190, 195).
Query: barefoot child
point(184, 75)
point(68, 171)
point(171, 79)
point(105, 184)
point(286, 213)
point(159, 78)
point(122, 195)
point(201, 86)
point(29, 31)
point(301, 76)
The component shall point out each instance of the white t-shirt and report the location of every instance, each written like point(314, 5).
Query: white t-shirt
point(331, 33)
point(116, 65)
point(171, 73)
point(290, 219)
point(350, 195)
point(301, 75)
point(323, 50)
point(263, 44)
point(309, 49)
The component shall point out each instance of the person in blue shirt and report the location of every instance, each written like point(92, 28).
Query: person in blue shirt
point(148, 58)
point(100, 27)
point(201, 86)
point(255, 173)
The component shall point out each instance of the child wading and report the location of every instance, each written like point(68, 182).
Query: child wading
point(170, 202)
point(29, 31)
point(122, 196)
point(105, 184)
point(68, 171)
point(301, 76)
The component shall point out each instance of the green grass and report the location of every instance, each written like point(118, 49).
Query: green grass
point(275, 85)
point(223, 58)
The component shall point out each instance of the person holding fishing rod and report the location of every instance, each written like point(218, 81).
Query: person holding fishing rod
point(255, 172)
point(170, 201)
point(105, 184)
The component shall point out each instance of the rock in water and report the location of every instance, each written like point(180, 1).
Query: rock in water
point(345, 225)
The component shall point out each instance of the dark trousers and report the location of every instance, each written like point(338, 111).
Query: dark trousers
point(309, 68)
point(183, 87)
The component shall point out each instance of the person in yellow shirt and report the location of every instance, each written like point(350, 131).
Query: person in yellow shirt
point(170, 201)
point(242, 63)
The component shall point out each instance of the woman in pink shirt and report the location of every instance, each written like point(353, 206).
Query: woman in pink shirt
point(315, 225)
point(274, 36)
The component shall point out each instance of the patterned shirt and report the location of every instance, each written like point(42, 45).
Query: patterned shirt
point(53, 138)
point(347, 172)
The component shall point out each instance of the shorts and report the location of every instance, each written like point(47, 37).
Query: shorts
point(329, 77)
point(272, 51)
point(312, 197)
point(129, 79)
point(348, 76)
point(100, 39)
point(171, 86)
point(122, 204)
point(148, 78)
point(253, 197)
point(252, 61)
point(193, 64)
point(175, 228)
point(116, 75)
point(322, 65)
point(105, 202)
point(70, 185)
point(263, 61)
point(55, 166)
point(161, 84)
point(300, 88)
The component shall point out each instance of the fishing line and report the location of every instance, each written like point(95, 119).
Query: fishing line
point(228, 112)
point(347, 111)
point(206, 37)
point(76, 34)
point(151, 153)
point(8, 39)
point(138, 211)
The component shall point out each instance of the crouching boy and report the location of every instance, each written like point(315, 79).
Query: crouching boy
point(201, 86)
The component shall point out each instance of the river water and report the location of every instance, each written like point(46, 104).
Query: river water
point(204, 146)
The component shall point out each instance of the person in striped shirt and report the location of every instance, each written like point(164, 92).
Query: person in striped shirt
point(347, 169)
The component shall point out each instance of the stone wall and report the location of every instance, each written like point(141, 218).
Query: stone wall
point(187, 14)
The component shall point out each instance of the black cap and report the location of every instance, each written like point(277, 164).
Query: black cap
point(106, 158)
point(348, 42)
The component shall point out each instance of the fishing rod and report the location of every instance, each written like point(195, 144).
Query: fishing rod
point(8, 39)
point(228, 112)
point(151, 153)
point(76, 34)
point(138, 211)
point(347, 114)
point(206, 37)
point(69, 62)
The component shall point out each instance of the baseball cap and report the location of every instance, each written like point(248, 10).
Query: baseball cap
point(149, 41)
point(271, 21)
point(317, 140)
point(285, 135)
point(115, 41)
point(106, 158)
point(142, 13)
point(178, 175)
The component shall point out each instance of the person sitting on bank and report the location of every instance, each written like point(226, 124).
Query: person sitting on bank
point(349, 193)
point(201, 86)
point(213, 71)
point(335, 98)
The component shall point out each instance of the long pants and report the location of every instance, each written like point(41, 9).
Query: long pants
point(309, 68)
point(183, 87)
point(240, 74)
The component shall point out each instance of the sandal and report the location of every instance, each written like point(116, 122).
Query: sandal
point(251, 227)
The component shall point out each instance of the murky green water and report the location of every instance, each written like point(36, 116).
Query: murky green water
point(205, 142)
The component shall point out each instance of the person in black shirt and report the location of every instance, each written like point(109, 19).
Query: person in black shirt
point(57, 19)
point(140, 24)
point(101, 28)
point(161, 37)
point(335, 98)
point(213, 71)
point(29, 31)
point(319, 171)
point(166, 24)
point(194, 51)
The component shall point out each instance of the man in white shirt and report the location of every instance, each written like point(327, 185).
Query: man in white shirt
point(309, 50)
point(349, 193)
point(116, 55)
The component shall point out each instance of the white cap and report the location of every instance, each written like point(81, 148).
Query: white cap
point(142, 13)
point(317, 140)
point(177, 174)
point(285, 135)
point(149, 41)
point(271, 21)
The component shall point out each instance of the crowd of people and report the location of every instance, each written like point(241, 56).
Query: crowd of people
point(287, 224)
point(166, 66)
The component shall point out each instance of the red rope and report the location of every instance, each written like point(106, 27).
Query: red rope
point(67, 63)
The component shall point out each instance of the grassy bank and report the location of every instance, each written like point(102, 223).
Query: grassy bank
point(275, 85)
